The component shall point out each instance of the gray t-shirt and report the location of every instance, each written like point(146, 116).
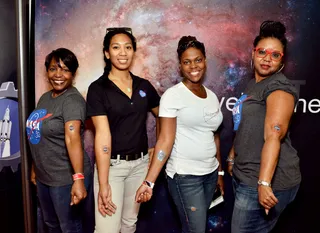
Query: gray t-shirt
point(46, 135)
point(250, 117)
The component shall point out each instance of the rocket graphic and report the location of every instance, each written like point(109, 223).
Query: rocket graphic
point(5, 131)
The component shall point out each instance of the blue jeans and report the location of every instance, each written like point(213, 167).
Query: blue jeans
point(58, 215)
point(249, 216)
point(192, 196)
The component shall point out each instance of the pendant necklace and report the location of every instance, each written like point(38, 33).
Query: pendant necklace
point(128, 88)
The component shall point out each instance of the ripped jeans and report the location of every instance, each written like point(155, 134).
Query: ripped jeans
point(192, 196)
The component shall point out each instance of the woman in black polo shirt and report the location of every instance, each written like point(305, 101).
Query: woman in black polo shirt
point(118, 103)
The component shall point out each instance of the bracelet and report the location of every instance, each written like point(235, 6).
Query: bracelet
point(264, 183)
point(148, 183)
point(78, 176)
point(230, 160)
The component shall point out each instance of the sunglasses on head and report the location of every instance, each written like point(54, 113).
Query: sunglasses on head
point(274, 54)
point(119, 29)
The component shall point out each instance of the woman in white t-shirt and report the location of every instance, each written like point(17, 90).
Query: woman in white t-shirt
point(189, 117)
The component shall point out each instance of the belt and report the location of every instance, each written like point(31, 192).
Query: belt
point(128, 157)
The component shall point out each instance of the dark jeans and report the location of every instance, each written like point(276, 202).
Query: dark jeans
point(192, 196)
point(249, 216)
point(58, 215)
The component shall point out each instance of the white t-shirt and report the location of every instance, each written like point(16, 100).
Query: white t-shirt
point(194, 150)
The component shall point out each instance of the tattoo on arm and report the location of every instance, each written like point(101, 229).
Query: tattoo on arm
point(161, 155)
point(276, 128)
point(71, 127)
point(105, 149)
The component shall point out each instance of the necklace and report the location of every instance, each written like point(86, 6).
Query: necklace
point(113, 78)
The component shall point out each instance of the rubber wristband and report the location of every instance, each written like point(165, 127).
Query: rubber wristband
point(78, 176)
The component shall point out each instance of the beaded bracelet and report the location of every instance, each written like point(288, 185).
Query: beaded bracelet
point(231, 160)
point(78, 176)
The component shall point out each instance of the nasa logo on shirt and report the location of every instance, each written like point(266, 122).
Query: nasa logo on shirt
point(142, 93)
point(237, 110)
point(34, 124)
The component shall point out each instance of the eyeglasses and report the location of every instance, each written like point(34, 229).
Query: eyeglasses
point(119, 29)
point(274, 54)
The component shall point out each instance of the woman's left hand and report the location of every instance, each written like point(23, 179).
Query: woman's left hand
point(220, 184)
point(78, 192)
point(266, 198)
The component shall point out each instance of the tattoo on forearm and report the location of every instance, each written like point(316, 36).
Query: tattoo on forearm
point(105, 149)
point(277, 128)
point(71, 127)
point(161, 155)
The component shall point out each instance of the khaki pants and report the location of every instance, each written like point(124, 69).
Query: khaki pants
point(125, 177)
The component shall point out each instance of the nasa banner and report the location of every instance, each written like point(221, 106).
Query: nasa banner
point(11, 220)
point(227, 29)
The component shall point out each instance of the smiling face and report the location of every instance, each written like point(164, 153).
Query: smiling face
point(59, 76)
point(120, 52)
point(192, 65)
point(267, 65)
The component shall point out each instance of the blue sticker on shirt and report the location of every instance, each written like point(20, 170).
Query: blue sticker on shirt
point(34, 124)
point(142, 93)
point(237, 110)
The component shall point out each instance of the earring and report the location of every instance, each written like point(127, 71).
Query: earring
point(251, 64)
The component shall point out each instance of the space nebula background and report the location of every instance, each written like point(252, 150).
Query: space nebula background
point(227, 28)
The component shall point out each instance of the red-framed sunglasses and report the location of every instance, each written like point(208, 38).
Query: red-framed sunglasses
point(274, 54)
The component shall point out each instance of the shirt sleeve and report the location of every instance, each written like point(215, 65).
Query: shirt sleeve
point(95, 104)
point(283, 85)
point(74, 108)
point(153, 97)
point(169, 104)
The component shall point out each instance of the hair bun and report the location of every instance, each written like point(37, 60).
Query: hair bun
point(187, 39)
point(271, 28)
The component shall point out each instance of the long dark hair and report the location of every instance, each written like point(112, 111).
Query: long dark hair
point(111, 32)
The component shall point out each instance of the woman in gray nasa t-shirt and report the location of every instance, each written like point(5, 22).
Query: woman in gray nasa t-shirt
point(266, 174)
point(55, 133)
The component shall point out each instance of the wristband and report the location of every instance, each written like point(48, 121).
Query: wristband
point(220, 173)
point(78, 176)
point(148, 183)
point(264, 183)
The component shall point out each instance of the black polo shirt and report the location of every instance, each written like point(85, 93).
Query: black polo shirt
point(127, 117)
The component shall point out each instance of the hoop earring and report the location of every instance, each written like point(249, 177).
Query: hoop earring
point(280, 68)
point(251, 64)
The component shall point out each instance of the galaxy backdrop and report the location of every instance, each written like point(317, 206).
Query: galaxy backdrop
point(227, 28)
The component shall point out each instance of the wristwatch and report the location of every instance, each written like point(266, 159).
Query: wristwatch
point(264, 183)
point(149, 183)
point(221, 173)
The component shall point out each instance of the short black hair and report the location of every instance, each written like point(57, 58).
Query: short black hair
point(111, 32)
point(273, 29)
point(186, 42)
point(66, 56)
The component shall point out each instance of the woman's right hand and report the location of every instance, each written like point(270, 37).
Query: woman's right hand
point(105, 204)
point(143, 194)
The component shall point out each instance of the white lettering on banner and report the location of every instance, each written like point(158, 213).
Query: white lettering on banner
point(313, 106)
